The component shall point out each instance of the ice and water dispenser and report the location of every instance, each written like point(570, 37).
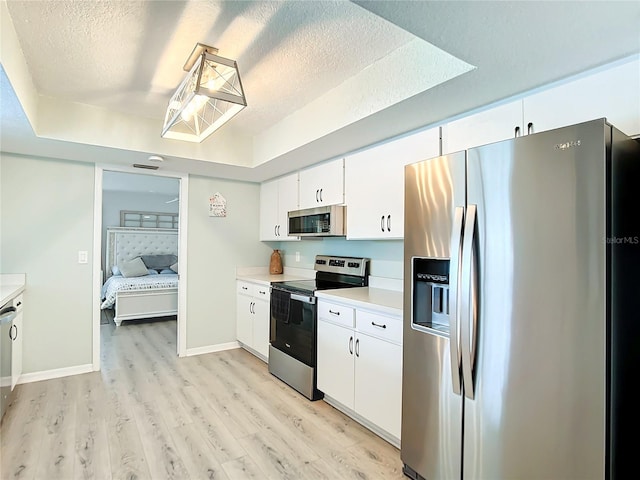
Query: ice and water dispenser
point(430, 290)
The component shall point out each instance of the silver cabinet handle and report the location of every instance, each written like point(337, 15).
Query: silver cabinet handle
point(351, 345)
point(334, 313)
point(275, 230)
point(278, 230)
point(378, 325)
point(320, 195)
point(317, 193)
point(516, 133)
point(245, 288)
point(529, 128)
point(382, 223)
point(388, 223)
point(16, 335)
point(262, 292)
point(357, 347)
point(454, 290)
point(468, 313)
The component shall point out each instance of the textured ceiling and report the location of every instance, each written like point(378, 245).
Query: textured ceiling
point(89, 80)
point(128, 56)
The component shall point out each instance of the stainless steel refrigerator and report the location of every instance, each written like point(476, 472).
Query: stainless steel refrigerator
point(521, 336)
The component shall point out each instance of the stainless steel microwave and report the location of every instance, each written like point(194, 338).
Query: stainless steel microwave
point(329, 221)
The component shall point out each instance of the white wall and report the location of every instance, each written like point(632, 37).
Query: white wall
point(46, 217)
point(216, 246)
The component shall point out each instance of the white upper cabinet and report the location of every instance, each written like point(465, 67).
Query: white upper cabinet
point(322, 185)
point(374, 185)
point(277, 198)
point(613, 94)
point(489, 126)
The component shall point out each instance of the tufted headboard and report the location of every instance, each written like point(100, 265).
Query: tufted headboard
point(127, 243)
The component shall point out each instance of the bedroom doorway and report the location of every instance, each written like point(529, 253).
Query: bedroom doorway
point(139, 224)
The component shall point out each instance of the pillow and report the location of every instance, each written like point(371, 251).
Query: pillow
point(133, 268)
point(166, 271)
point(174, 267)
point(158, 262)
point(152, 271)
point(115, 270)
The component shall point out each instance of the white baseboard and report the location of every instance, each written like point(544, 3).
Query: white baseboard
point(56, 373)
point(211, 348)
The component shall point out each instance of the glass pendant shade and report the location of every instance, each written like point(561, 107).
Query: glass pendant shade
point(209, 96)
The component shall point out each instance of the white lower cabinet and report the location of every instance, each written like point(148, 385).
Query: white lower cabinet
point(359, 365)
point(16, 336)
point(252, 318)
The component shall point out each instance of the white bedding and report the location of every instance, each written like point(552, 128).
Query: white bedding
point(118, 283)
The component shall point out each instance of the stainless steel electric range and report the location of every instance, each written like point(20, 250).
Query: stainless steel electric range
point(293, 334)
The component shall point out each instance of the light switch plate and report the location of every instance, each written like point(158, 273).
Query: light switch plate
point(83, 256)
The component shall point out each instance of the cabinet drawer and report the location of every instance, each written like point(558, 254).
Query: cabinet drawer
point(338, 314)
point(262, 292)
point(245, 288)
point(18, 302)
point(381, 326)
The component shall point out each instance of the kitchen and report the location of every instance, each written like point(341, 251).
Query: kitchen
point(69, 186)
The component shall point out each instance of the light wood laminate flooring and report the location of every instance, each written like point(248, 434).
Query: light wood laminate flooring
point(150, 415)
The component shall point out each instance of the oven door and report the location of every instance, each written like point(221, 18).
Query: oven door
point(293, 325)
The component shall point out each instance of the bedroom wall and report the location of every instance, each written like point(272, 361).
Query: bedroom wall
point(114, 201)
point(46, 217)
point(216, 246)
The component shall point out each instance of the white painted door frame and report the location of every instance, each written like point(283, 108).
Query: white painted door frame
point(97, 254)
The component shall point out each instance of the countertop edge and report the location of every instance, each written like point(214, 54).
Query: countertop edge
point(379, 300)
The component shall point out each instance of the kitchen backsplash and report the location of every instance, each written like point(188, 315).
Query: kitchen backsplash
point(386, 256)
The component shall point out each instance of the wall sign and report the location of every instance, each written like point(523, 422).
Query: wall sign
point(217, 205)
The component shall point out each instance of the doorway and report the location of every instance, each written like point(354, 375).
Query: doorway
point(130, 198)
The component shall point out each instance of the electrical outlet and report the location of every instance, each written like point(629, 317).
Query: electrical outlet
point(297, 256)
point(83, 256)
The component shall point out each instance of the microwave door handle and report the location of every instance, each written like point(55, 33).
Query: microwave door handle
point(468, 303)
point(454, 296)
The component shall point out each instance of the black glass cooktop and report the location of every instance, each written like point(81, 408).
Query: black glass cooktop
point(310, 286)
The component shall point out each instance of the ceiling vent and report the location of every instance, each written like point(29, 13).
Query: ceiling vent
point(147, 167)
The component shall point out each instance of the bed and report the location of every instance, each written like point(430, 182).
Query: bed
point(149, 295)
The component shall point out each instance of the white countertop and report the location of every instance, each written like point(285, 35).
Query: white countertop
point(381, 300)
point(266, 279)
point(11, 285)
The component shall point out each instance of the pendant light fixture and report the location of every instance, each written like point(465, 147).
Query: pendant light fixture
point(209, 96)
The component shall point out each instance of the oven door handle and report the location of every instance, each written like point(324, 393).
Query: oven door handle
point(303, 298)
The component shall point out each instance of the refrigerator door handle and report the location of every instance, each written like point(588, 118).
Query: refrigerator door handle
point(468, 301)
point(454, 291)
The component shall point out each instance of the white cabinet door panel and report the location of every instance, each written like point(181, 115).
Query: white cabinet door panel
point(335, 362)
point(261, 327)
point(269, 210)
point(374, 185)
point(378, 373)
point(244, 319)
point(322, 185)
point(287, 202)
point(613, 94)
point(489, 126)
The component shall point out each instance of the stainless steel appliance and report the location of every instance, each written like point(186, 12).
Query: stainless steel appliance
point(520, 330)
point(329, 221)
point(293, 327)
point(7, 314)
